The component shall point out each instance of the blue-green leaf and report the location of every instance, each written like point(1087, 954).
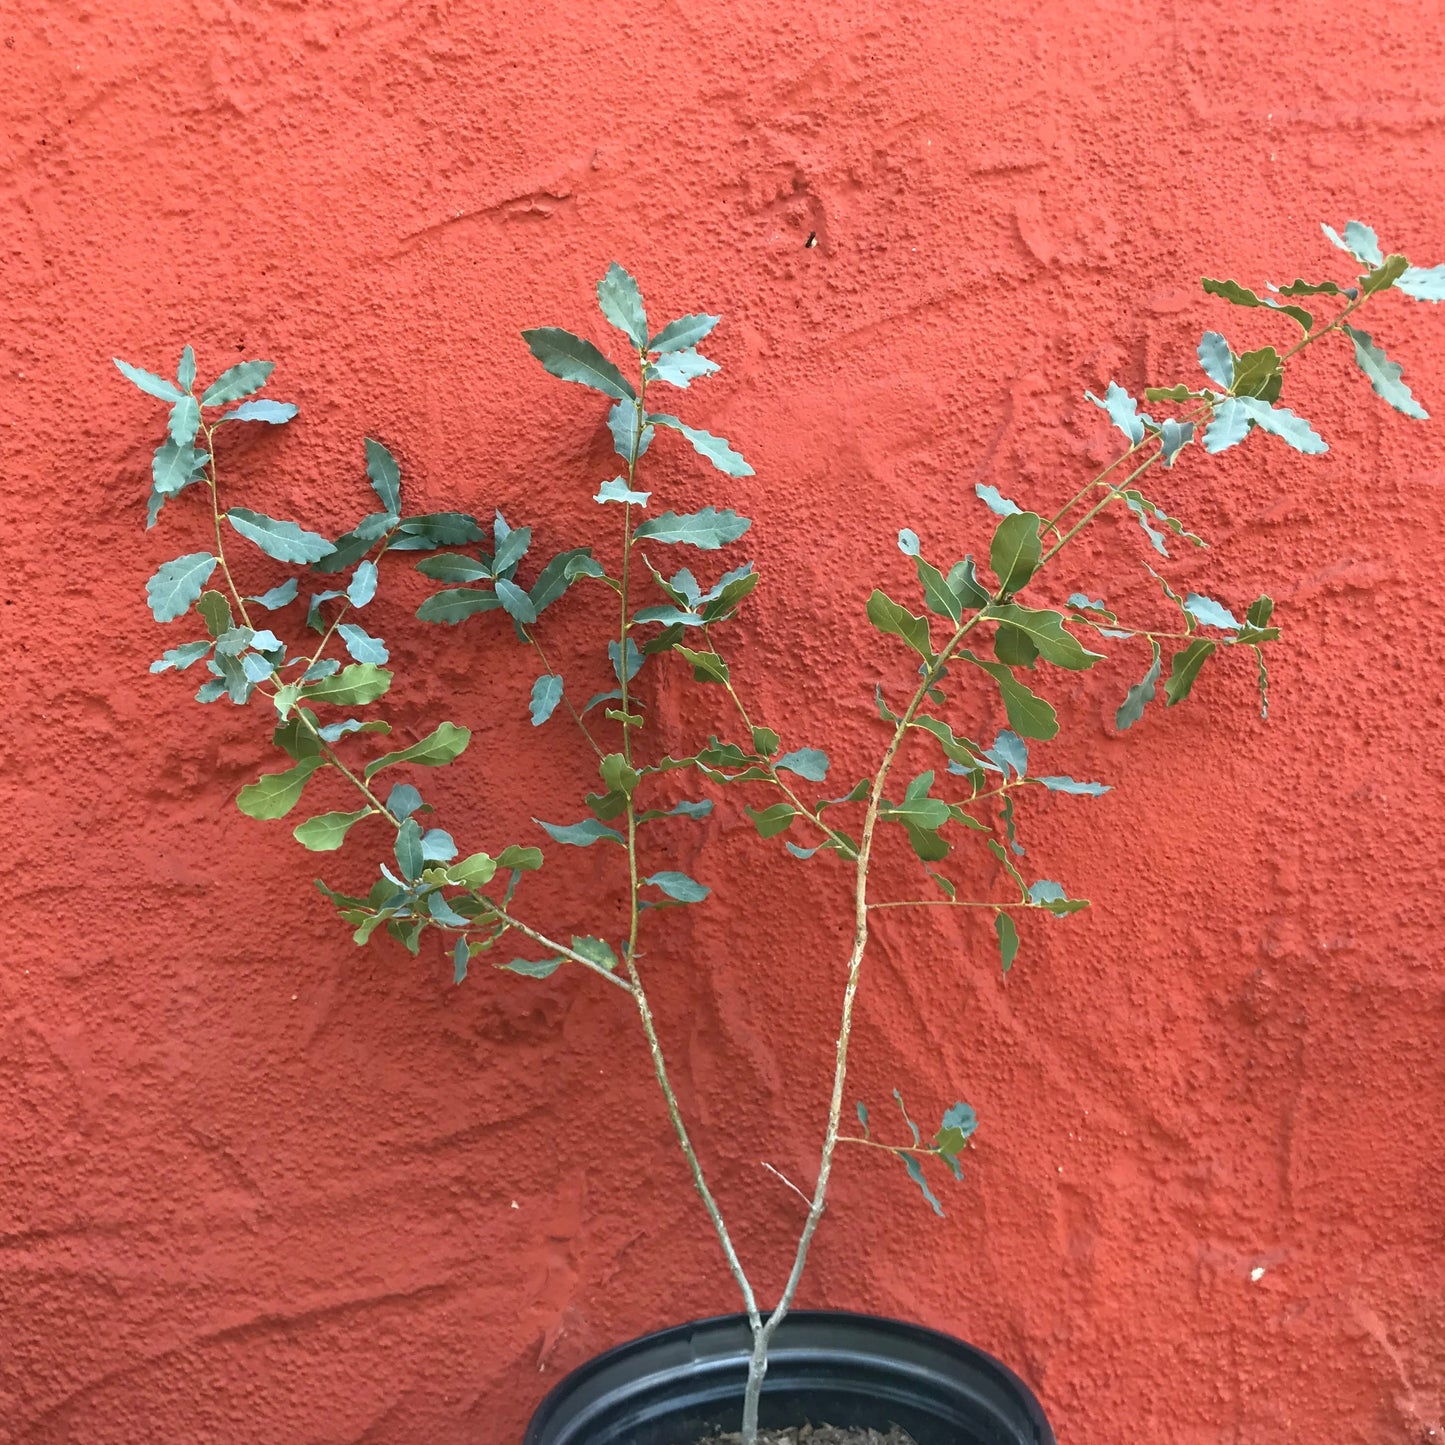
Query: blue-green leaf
point(1057, 784)
point(454, 567)
point(175, 586)
point(617, 490)
point(635, 659)
point(543, 968)
point(275, 413)
point(915, 1173)
point(237, 381)
point(908, 542)
point(457, 603)
point(184, 421)
point(1384, 375)
point(384, 475)
point(362, 587)
point(186, 369)
point(1209, 613)
point(999, 505)
point(708, 529)
point(573, 359)
point(408, 850)
point(284, 541)
point(809, 763)
point(1122, 410)
point(512, 546)
point(1228, 426)
point(580, 835)
point(1216, 359)
point(516, 602)
point(560, 573)
point(715, 449)
point(148, 381)
point(1174, 436)
point(681, 368)
point(437, 847)
point(461, 956)
point(621, 303)
point(180, 657)
point(1010, 751)
point(1141, 694)
point(277, 596)
point(174, 467)
point(433, 529)
point(1280, 421)
point(679, 886)
point(546, 694)
point(1049, 895)
point(685, 331)
point(361, 645)
point(1423, 283)
point(1359, 241)
point(403, 801)
point(622, 423)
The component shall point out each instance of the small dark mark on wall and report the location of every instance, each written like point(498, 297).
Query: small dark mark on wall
point(811, 241)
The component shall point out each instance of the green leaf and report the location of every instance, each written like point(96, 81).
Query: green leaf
point(1423, 283)
point(964, 584)
point(517, 604)
point(939, 596)
point(384, 475)
point(1141, 694)
point(275, 413)
point(809, 763)
point(475, 871)
point(177, 584)
point(1045, 630)
point(560, 573)
point(456, 604)
point(1008, 939)
point(1309, 288)
point(544, 968)
point(573, 359)
point(772, 820)
point(284, 541)
point(1258, 373)
point(1028, 714)
point(273, 795)
point(998, 504)
point(1280, 421)
point(1260, 611)
point(174, 466)
point(681, 368)
point(619, 775)
point(765, 740)
point(184, 421)
point(895, 621)
point(1015, 551)
point(148, 381)
point(1209, 613)
point(1123, 411)
point(580, 835)
point(334, 732)
point(361, 644)
point(511, 548)
point(215, 613)
point(1383, 276)
point(679, 886)
point(617, 490)
point(546, 694)
point(326, 832)
point(707, 530)
point(1050, 896)
point(960, 1124)
point(1179, 392)
point(706, 666)
point(237, 381)
point(1185, 668)
point(1216, 359)
point(685, 331)
point(621, 304)
point(956, 750)
point(353, 686)
point(1384, 374)
point(1243, 296)
point(598, 951)
point(432, 529)
point(409, 856)
point(715, 449)
point(435, 750)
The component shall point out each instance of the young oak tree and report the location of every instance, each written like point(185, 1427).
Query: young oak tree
point(998, 620)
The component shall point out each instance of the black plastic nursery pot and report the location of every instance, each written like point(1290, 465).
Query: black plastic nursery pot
point(825, 1367)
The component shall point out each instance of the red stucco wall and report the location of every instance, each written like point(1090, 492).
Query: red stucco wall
point(261, 1185)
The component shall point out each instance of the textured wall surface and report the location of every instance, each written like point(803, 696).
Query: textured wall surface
point(261, 1185)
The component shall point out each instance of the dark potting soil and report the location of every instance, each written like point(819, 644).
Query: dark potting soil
point(814, 1435)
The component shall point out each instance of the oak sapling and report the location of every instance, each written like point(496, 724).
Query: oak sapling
point(993, 619)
